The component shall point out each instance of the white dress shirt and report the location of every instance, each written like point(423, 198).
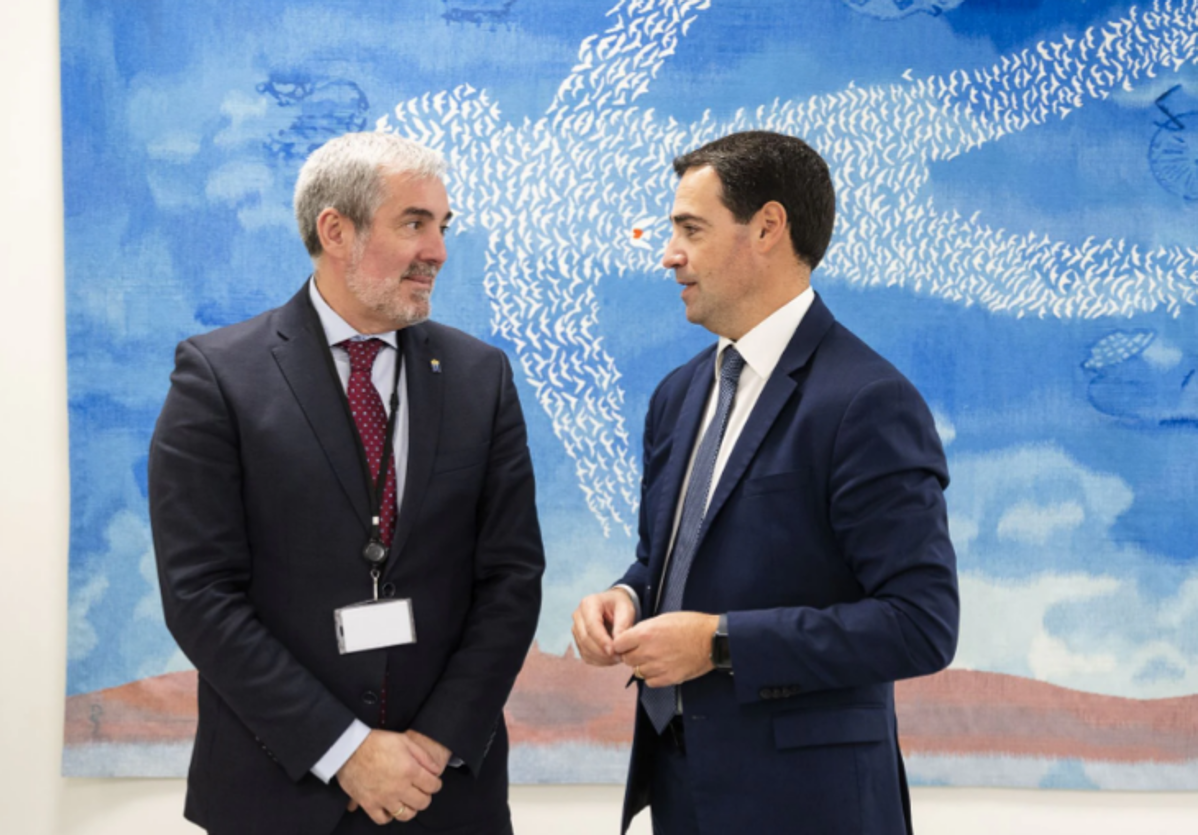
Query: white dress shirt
point(761, 349)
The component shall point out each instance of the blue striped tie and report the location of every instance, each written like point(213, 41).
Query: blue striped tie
point(660, 702)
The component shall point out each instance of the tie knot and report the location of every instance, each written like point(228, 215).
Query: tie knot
point(361, 353)
point(732, 365)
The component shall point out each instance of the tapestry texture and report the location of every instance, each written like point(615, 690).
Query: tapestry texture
point(1017, 232)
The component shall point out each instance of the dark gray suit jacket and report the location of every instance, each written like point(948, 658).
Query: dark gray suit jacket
point(260, 508)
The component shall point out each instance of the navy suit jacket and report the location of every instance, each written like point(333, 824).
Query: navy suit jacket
point(826, 543)
point(260, 507)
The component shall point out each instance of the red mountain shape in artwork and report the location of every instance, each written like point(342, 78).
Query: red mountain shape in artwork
point(560, 699)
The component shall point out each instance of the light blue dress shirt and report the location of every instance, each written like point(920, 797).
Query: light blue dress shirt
point(337, 330)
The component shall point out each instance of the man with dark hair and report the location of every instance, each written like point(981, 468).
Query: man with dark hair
point(794, 558)
point(756, 167)
point(344, 518)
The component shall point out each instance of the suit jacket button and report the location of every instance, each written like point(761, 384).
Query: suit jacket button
point(370, 697)
point(388, 589)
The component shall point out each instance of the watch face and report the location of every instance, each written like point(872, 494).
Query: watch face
point(720, 655)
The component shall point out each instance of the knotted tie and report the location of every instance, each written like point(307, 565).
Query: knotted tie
point(660, 702)
point(371, 419)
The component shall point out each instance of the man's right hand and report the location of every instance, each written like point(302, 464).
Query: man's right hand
point(389, 774)
point(598, 619)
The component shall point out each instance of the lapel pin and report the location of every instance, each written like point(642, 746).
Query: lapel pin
point(435, 365)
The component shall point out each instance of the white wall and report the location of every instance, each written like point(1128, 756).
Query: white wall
point(34, 800)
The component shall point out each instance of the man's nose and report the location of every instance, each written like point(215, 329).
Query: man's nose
point(434, 250)
point(672, 258)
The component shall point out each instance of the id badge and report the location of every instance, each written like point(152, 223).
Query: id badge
point(374, 624)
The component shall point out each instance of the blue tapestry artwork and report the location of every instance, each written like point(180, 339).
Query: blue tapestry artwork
point(1017, 231)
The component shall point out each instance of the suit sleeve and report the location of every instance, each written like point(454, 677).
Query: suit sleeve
point(653, 459)
point(888, 516)
point(205, 568)
point(466, 704)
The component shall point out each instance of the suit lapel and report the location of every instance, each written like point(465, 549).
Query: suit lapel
point(303, 360)
point(779, 388)
point(426, 398)
point(686, 430)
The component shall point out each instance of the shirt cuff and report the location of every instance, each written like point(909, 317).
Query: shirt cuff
point(328, 765)
point(636, 601)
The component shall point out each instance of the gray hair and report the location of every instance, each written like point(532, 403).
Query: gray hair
point(347, 174)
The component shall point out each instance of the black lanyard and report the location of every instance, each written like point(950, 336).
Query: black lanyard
point(374, 552)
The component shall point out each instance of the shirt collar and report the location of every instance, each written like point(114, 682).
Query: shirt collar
point(763, 346)
point(337, 329)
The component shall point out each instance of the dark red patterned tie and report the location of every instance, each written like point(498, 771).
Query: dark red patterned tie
point(371, 420)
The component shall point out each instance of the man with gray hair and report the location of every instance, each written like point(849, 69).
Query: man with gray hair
point(342, 502)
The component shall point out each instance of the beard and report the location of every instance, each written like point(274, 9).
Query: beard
point(388, 298)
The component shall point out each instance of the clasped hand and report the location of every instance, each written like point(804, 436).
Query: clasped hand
point(663, 650)
point(392, 776)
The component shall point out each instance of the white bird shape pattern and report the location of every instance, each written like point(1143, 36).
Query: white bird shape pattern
point(583, 193)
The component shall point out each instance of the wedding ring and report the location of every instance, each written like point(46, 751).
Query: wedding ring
point(402, 808)
point(636, 671)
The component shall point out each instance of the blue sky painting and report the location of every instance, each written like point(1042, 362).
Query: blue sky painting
point(1017, 232)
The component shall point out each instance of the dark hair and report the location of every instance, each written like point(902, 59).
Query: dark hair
point(758, 166)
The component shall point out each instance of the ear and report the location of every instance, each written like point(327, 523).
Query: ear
point(336, 233)
point(771, 226)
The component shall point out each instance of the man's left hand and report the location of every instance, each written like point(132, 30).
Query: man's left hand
point(670, 648)
point(438, 752)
